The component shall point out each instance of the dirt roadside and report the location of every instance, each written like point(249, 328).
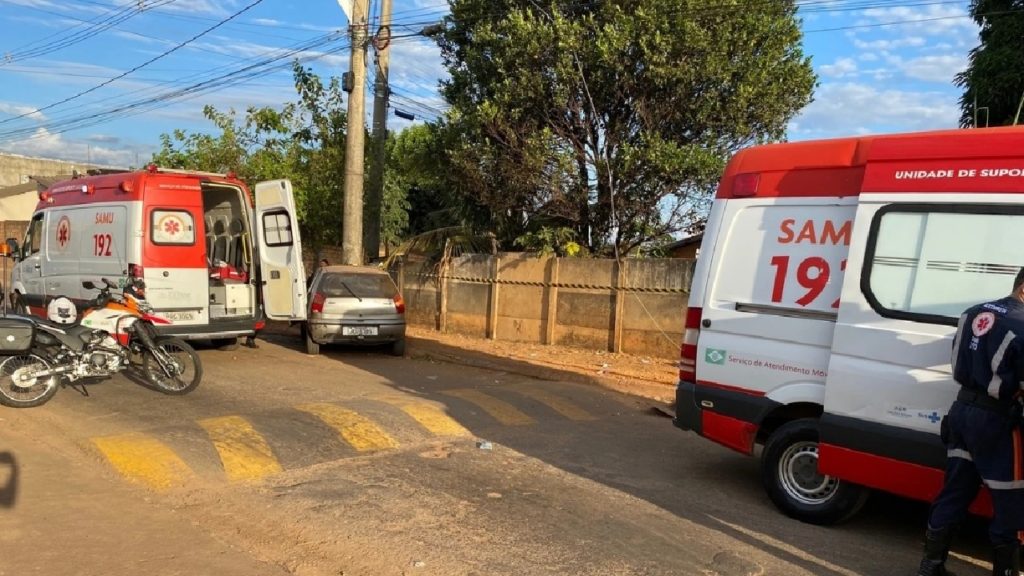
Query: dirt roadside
point(648, 377)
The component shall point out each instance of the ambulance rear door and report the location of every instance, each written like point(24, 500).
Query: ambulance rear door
point(282, 272)
point(770, 303)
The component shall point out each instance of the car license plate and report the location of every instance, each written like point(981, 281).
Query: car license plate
point(178, 316)
point(358, 330)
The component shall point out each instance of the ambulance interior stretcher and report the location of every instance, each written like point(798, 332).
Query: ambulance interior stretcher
point(228, 251)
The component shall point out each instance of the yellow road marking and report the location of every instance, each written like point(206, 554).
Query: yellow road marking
point(244, 453)
point(429, 416)
point(357, 430)
point(557, 403)
point(143, 459)
point(501, 411)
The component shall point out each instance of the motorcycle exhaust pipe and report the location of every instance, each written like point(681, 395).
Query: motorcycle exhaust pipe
point(53, 372)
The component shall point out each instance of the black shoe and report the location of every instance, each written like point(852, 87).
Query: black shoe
point(936, 550)
point(1006, 560)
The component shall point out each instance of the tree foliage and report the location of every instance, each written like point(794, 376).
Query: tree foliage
point(303, 141)
point(994, 78)
point(611, 118)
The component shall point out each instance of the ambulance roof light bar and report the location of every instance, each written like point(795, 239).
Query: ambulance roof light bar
point(153, 169)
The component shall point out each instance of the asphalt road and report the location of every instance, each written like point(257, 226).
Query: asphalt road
point(355, 462)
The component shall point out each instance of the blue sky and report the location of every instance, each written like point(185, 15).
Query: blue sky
point(883, 66)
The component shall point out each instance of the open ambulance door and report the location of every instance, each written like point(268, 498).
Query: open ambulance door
point(282, 273)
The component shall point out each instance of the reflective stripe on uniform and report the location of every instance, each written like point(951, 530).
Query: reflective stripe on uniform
point(956, 341)
point(959, 453)
point(996, 383)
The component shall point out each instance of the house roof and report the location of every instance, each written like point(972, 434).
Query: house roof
point(19, 189)
point(695, 239)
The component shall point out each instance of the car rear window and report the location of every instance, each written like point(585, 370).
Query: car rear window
point(360, 285)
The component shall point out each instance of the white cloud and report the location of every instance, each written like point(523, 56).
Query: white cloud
point(885, 44)
point(939, 69)
point(233, 47)
point(17, 110)
point(842, 109)
point(952, 22)
point(841, 68)
point(44, 144)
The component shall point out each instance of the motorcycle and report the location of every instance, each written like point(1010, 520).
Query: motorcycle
point(112, 334)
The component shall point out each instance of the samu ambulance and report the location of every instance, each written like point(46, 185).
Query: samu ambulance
point(825, 300)
point(216, 259)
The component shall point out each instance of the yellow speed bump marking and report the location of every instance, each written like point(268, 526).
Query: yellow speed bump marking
point(243, 452)
point(144, 459)
point(429, 416)
point(557, 403)
point(356, 429)
point(501, 411)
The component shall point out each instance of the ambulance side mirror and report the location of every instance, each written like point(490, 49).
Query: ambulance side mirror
point(12, 249)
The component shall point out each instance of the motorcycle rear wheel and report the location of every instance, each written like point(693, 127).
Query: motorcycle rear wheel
point(18, 393)
point(186, 372)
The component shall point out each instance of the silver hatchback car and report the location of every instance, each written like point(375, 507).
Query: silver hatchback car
point(354, 305)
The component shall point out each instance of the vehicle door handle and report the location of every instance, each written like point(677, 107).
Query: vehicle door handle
point(36, 266)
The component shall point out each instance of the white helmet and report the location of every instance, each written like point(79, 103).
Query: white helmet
point(62, 311)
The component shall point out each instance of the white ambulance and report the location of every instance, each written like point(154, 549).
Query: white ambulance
point(824, 302)
point(217, 260)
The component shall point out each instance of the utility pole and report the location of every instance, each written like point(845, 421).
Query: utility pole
point(381, 91)
point(352, 207)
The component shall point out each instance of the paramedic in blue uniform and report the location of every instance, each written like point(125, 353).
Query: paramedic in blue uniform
point(982, 433)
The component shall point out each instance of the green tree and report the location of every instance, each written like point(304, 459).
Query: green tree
point(994, 78)
point(303, 141)
point(614, 118)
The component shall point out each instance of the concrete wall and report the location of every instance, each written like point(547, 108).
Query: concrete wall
point(16, 169)
point(10, 229)
point(637, 308)
point(19, 207)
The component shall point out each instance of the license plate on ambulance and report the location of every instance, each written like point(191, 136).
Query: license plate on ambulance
point(358, 330)
point(179, 316)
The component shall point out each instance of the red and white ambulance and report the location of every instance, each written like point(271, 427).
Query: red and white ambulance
point(824, 303)
point(217, 260)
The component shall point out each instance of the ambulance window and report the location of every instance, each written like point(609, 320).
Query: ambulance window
point(277, 228)
point(34, 236)
point(929, 263)
point(172, 227)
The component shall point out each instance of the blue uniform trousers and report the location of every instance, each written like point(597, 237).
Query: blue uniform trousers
point(983, 447)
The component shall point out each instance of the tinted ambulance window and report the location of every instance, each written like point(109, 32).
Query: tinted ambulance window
point(175, 227)
point(34, 236)
point(277, 228)
point(930, 263)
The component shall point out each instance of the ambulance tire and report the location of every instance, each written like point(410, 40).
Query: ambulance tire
point(789, 474)
point(18, 306)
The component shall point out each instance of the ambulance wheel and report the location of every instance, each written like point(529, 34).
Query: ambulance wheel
point(18, 306)
point(789, 471)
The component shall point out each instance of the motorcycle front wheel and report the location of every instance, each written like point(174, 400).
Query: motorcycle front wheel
point(177, 371)
point(19, 388)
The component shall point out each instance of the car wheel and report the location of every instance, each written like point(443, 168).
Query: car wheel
point(312, 348)
point(789, 472)
point(398, 347)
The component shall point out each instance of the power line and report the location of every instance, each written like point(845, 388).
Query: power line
point(220, 82)
point(97, 25)
point(150, 61)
